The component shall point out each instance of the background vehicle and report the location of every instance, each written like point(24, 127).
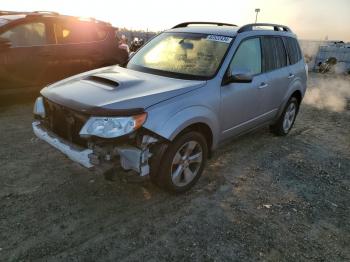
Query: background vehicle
point(136, 44)
point(179, 97)
point(43, 47)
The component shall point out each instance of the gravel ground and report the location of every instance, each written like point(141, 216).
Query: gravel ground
point(261, 197)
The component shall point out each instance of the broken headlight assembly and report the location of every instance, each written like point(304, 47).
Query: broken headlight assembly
point(39, 109)
point(111, 127)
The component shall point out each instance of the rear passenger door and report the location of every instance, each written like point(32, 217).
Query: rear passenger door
point(275, 68)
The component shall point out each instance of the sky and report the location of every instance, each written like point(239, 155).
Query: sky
point(309, 19)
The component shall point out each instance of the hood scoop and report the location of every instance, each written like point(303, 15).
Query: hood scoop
point(105, 83)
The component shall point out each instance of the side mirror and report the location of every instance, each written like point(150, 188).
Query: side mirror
point(238, 76)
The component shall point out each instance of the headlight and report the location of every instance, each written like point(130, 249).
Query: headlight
point(109, 127)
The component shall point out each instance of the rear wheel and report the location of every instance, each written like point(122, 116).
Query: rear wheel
point(183, 162)
point(286, 121)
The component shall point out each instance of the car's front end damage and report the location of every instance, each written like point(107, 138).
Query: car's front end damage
point(96, 142)
point(99, 118)
point(104, 117)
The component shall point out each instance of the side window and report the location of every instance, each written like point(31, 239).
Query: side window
point(248, 57)
point(293, 50)
point(30, 34)
point(274, 53)
point(78, 32)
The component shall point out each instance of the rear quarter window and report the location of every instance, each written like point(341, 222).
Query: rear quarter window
point(293, 49)
point(101, 33)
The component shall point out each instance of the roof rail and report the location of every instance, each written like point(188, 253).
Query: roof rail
point(186, 24)
point(276, 27)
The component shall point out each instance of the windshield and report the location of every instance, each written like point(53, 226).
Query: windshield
point(182, 55)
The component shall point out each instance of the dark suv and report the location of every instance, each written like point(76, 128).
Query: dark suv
point(42, 47)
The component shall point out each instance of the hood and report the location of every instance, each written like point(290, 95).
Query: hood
point(116, 89)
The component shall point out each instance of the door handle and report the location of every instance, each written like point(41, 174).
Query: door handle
point(262, 85)
point(291, 76)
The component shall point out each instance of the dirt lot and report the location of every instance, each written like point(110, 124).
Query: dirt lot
point(261, 197)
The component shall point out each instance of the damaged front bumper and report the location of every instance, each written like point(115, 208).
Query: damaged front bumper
point(131, 157)
point(75, 153)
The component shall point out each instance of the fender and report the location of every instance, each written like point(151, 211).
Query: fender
point(296, 85)
point(176, 123)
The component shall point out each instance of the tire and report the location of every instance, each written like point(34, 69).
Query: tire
point(281, 128)
point(182, 163)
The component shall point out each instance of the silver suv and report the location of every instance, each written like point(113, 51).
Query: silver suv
point(178, 98)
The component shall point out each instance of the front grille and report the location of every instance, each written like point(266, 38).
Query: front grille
point(64, 122)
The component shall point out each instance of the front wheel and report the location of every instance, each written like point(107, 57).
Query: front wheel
point(183, 162)
point(286, 121)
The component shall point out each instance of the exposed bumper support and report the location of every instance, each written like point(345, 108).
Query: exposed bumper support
point(74, 153)
point(135, 159)
point(131, 157)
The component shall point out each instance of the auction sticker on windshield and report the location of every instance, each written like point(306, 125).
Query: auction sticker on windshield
point(219, 38)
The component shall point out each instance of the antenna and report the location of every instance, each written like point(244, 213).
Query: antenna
point(257, 10)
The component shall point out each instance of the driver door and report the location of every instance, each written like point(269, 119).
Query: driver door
point(241, 101)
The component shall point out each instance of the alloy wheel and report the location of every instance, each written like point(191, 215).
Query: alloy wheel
point(289, 117)
point(186, 163)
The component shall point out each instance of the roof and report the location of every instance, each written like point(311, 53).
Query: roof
point(230, 31)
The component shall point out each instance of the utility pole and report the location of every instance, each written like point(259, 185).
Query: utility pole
point(257, 10)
